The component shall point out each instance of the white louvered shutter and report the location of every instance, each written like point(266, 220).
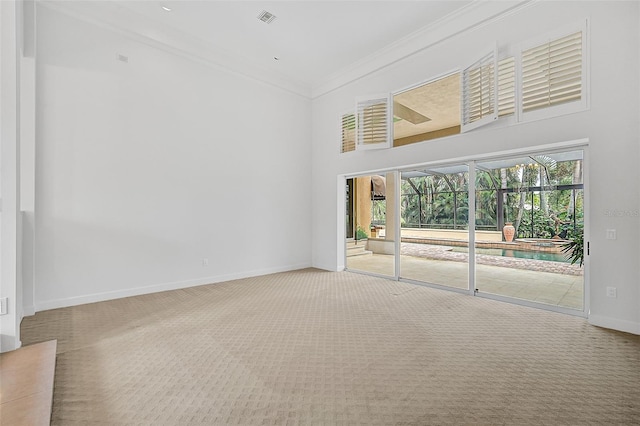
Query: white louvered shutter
point(506, 86)
point(479, 93)
point(552, 73)
point(373, 122)
point(348, 132)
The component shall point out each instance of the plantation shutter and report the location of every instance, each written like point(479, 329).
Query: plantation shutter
point(348, 127)
point(479, 93)
point(373, 122)
point(506, 86)
point(552, 73)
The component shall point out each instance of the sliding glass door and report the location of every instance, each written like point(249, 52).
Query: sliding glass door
point(434, 218)
point(528, 221)
point(529, 215)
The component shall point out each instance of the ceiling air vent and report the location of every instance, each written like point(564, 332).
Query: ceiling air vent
point(266, 17)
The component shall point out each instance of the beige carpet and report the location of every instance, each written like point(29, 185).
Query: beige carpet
point(314, 347)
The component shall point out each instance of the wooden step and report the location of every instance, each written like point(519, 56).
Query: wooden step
point(26, 384)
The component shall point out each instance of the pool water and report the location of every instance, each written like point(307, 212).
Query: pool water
point(520, 254)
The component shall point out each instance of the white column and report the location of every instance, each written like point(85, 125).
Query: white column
point(27, 153)
point(9, 174)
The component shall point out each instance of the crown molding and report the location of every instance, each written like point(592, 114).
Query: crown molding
point(475, 14)
point(124, 21)
point(115, 16)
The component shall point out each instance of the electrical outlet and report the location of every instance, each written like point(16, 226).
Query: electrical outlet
point(612, 292)
point(205, 262)
point(3, 305)
point(611, 234)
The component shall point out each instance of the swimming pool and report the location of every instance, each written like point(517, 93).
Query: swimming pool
point(520, 254)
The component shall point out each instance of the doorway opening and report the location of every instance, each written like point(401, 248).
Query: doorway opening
point(371, 222)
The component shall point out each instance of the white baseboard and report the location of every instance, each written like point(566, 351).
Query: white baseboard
point(615, 324)
point(136, 291)
point(327, 267)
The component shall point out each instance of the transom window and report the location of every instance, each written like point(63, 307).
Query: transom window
point(546, 78)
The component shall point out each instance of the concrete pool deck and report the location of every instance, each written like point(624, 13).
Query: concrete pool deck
point(439, 252)
point(552, 283)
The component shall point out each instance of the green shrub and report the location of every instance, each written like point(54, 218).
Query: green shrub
point(574, 248)
point(361, 234)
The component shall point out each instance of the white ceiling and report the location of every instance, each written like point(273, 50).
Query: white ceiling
point(312, 39)
point(321, 45)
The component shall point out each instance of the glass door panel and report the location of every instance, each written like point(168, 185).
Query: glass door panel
point(371, 216)
point(434, 219)
point(528, 211)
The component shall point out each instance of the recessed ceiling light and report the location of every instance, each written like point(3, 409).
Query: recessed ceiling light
point(266, 17)
point(276, 58)
point(168, 9)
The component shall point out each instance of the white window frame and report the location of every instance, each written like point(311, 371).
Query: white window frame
point(567, 108)
point(425, 82)
point(361, 102)
point(414, 86)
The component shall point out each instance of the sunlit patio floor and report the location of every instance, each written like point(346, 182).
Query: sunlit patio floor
point(533, 285)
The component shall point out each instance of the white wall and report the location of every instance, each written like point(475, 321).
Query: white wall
point(611, 125)
point(145, 168)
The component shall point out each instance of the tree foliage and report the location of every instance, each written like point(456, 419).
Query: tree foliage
point(531, 200)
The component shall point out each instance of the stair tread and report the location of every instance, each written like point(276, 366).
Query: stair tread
point(362, 253)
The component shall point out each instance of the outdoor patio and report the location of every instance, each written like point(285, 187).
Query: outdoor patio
point(552, 283)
